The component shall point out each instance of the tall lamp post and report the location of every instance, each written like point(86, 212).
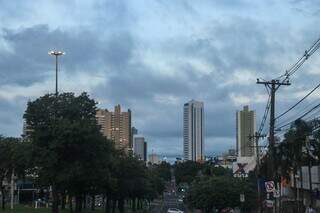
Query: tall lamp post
point(56, 54)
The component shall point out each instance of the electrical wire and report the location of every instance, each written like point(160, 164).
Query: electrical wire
point(265, 116)
point(293, 106)
point(306, 113)
point(301, 60)
point(299, 110)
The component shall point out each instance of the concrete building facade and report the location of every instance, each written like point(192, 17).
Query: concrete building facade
point(140, 147)
point(246, 126)
point(153, 159)
point(193, 131)
point(116, 126)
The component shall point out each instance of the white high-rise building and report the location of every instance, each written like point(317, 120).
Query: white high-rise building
point(246, 127)
point(193, 131)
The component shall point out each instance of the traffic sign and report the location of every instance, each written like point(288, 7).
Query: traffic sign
point(269, 203)
point(269, 186)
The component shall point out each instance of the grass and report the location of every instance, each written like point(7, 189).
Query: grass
point(28, 209)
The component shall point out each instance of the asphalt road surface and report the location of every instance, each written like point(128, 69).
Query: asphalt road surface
point(170, 198)
point(171, 201)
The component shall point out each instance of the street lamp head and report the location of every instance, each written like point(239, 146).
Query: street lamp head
point(56, 53)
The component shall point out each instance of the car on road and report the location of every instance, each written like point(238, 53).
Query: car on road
point(174, 211)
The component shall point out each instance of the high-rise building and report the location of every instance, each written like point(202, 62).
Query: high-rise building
point(246, 127)
point(193, 131)
point(154, 159)
point(140, 147)
point(116, 126)
point(134, 131)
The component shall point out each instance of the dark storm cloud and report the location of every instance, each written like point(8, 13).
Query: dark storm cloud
point(241, 44)
point(11, 117)
point(154, 64)
point(29, 61)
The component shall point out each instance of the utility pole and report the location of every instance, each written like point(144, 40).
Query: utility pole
point(257, 136)
point(272, 86)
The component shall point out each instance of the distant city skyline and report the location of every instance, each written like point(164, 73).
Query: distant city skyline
point(154, 56)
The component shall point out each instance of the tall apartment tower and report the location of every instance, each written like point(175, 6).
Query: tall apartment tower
point(140, 148)
point(193, 131)
point(246, 126)
point(116, 126)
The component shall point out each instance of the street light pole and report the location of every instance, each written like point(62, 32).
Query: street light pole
point(56, 54)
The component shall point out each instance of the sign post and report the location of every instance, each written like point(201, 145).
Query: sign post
point(242, 198)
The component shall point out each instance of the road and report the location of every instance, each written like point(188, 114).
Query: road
point(170, 198)
point(171, 201)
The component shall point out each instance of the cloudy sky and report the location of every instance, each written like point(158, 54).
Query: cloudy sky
point(153, 56)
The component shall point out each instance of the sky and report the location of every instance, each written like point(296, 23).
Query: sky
point(154, 56)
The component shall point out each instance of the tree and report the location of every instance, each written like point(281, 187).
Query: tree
point(67, 143)
point(163, 170)
point(210, 193)
point(187, 171)
point(14, 159)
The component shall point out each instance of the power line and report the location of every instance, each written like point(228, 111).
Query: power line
point(301, 60)
point(306, 113)
point(301, 111)
point(265, 116)
point(285, 112)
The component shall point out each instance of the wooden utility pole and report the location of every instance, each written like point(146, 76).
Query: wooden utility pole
point(256, 137)
point(272, 86)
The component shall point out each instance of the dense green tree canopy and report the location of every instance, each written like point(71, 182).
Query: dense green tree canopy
point(208, 193)
point(70, 155)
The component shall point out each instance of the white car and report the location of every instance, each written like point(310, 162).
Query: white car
point(174, 211)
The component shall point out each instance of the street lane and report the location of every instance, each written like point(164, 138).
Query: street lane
point(171, 201)
point(170, 198)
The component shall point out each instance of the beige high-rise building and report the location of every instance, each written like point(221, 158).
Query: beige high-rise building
point(116, 126)
point(246, 127)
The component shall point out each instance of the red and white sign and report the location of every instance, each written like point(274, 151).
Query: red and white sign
point(269, 186)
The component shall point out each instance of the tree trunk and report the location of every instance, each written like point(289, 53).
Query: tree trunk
point(55, 199)
point(134, 204)
point(78, 204)
point(93, 201)
point(3, 206)
point(70, 204)
point(107, 205)
point(140, 203)
point(84, 201)
point(63, 200)
point(121, 205)
point(114, 205)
